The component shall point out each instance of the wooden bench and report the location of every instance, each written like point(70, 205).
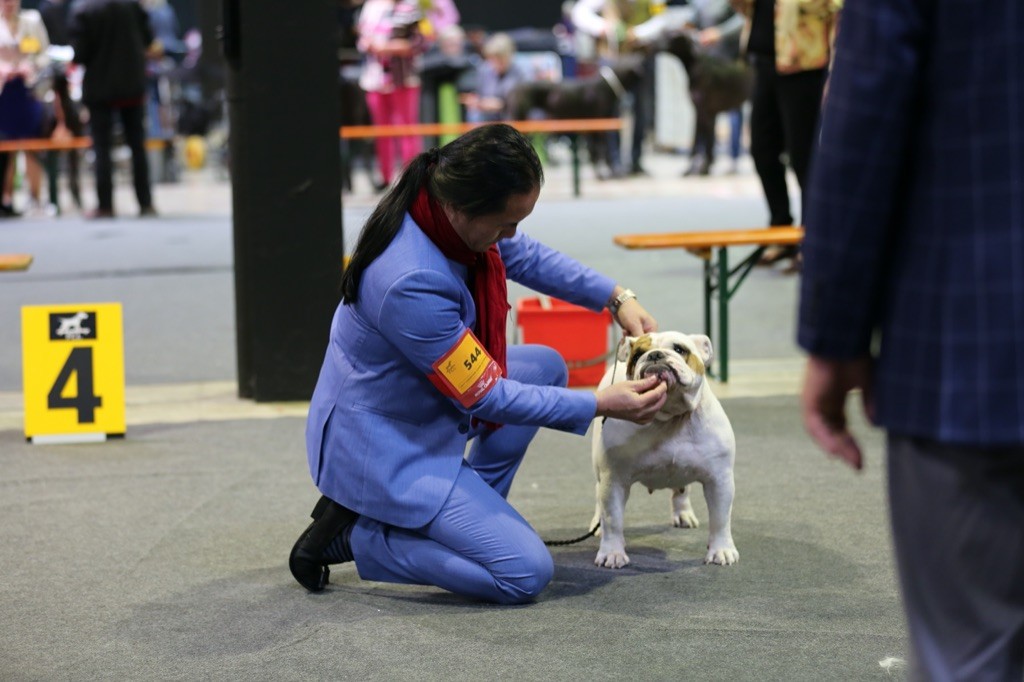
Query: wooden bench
point(15, 261)
point(719, 279)
point(49, 145)
point(571, 127)
point(43, 144)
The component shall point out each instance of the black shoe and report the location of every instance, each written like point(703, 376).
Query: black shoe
point(330, 529)
point(99, 214)
point(7, 211)
point(795, 267)
point(775, 253)
point(697, 167)
point(637, 169)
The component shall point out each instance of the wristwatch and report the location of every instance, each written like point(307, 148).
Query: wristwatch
point(616, 303)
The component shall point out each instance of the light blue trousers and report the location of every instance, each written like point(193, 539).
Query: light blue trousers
point(477, 545)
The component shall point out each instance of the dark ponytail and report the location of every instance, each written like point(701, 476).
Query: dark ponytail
point(475, 174)
point(382, 225)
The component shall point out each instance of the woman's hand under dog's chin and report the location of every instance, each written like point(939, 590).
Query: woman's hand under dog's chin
point(636, 401)
point(665, 374)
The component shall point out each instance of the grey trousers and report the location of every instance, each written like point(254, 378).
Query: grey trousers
point(958, 526)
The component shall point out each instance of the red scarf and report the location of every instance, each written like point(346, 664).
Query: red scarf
point(486, 275)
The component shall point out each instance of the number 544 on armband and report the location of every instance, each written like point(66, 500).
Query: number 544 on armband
point(73, 372)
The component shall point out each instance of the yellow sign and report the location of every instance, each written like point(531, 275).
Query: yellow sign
point(73, 371)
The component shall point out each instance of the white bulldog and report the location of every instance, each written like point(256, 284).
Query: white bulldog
point(689, 440)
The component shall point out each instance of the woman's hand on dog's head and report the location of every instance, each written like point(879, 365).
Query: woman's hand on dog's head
point(634, 319)
point(636, 401)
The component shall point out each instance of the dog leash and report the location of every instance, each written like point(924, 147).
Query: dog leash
point(613, 81)
point(593, 531)
point(615, 367)
point(589, 362)
point(562, 543)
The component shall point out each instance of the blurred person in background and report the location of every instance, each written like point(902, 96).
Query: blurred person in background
point(23, 62)
point(438, 15)
point(61, 119)
point(163, 21)
point(789, 44)
point(167, 51)
point(476, 38)
point(112, 39)
point(717, 33)
point(55, 17)
point(496, 77)
point(617, 26)
point(390, 39)
point(446, 69)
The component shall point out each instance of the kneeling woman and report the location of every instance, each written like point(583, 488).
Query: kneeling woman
point(417, 363)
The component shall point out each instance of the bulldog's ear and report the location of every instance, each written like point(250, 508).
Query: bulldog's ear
point(625, 345)
point(703, 344)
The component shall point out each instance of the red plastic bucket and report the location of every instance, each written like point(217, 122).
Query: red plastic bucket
point(578, 334)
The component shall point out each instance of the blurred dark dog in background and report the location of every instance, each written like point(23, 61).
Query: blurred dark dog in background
point(596, 96)
point(716, 85)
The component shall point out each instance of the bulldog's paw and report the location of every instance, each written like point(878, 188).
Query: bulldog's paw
point(612, 559)
point(723, 556)
point(685, 519)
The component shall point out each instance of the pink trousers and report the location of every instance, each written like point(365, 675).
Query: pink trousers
point(398, 107)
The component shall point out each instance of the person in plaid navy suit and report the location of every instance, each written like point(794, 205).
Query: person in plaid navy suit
point(915, 247)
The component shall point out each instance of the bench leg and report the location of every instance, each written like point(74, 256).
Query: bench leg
point(709, 289)
point(51, 164)
point(723, 314)
point(574, 145)
point(716, 282)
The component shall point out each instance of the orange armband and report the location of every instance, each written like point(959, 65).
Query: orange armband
point(465, 372)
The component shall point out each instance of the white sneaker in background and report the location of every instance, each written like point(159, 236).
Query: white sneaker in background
point(36, 209)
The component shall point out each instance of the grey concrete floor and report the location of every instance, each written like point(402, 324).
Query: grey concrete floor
point(163, 555)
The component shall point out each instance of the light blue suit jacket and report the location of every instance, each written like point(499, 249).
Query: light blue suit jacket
point(381, 439)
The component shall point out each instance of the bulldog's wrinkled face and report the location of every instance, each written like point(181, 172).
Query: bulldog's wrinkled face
point(678, 360)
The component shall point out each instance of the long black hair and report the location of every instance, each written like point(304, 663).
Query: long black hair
point(475, 174)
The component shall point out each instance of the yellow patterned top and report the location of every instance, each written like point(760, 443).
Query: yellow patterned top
point(804, 32)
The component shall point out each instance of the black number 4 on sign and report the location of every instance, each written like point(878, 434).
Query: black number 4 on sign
point(85, 400)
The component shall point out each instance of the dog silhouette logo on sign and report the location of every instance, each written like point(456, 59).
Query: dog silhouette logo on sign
point(80, 325)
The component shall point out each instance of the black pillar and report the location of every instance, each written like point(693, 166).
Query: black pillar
point(285, 172)
point(211, 62)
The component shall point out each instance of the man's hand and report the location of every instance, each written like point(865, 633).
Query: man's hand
point(826, 385)
point(636, 401)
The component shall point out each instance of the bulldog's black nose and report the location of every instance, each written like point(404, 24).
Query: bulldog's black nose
point(655, 355)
